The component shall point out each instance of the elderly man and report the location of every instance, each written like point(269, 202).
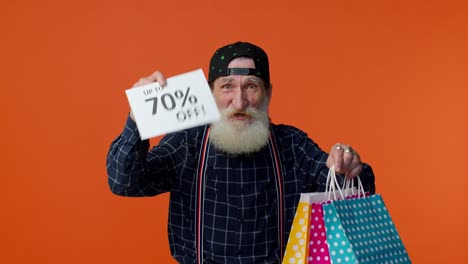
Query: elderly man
point(234, 184)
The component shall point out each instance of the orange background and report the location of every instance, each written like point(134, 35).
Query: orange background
point(388, 77)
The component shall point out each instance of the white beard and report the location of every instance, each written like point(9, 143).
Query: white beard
point(242, 137)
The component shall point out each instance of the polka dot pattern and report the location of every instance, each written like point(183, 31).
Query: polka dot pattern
point(339, 247)
point(297, 242)
point(318, 249)
point(361, 230)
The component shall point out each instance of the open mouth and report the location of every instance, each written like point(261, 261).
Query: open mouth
point(240, 116)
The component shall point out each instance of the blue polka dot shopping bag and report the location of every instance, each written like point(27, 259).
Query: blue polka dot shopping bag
point(360, 230)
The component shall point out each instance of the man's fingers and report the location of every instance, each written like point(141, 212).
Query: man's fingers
point(157, 76)
point(354, 172)
point(337, 156)
point(346, 160)
point(355, 167)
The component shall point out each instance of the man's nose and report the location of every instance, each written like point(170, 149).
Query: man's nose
point(240, 101)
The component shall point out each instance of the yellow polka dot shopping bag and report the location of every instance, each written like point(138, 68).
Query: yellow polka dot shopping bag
point(296, 249)
point(360, 230)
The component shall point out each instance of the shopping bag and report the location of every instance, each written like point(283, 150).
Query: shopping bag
point(360, 230)
point(318, 249)
point(296, 249)
point(298, 242)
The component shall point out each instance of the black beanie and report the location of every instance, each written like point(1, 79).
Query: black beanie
point(220, 60)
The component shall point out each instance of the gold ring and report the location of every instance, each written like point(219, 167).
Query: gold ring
point(349, 150)
point(339, 147)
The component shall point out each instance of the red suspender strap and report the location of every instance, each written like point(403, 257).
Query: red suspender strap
point(200, 197)
point(279, 194)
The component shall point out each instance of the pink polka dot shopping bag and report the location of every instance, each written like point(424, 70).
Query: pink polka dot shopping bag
point(318, 249)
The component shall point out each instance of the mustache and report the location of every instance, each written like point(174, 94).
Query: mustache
point(249, 111)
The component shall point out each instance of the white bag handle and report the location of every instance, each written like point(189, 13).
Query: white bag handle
point(331, 179)
point(332, 185)
point(350, 183)
point(347, 185)
point(360, 187)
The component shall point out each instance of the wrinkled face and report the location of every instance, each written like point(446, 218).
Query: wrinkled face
point(238, 93)
point(243, 103)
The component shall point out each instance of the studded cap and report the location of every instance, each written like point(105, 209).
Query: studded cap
point(221, 58)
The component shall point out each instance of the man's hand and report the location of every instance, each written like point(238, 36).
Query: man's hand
point(157, 76)
point(346, 160)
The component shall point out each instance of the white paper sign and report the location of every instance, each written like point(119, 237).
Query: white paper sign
point(186, 101)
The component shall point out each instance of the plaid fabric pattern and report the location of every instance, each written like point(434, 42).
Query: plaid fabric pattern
point(240, 206)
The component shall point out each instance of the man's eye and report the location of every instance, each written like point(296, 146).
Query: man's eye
point(252, 86)
point(226, 86)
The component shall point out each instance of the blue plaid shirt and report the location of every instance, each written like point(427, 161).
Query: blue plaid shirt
point(240, 206)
